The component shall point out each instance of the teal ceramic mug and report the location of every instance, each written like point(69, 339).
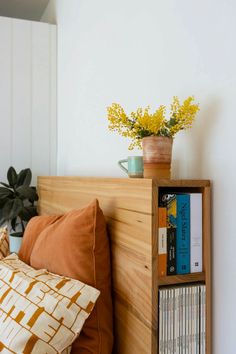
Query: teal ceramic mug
point(134, 164)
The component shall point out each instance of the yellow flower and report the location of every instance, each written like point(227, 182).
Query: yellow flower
point(142, 123)
point(183, 115)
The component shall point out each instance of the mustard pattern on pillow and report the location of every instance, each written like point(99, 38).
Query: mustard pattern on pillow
point(4, 243)
point(40, 312)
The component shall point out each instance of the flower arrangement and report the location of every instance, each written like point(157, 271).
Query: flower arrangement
point(143, 123)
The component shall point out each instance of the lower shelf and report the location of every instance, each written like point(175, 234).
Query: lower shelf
point(179, 279)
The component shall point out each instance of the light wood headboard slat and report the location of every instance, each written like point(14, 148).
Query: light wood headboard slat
point(128, 207)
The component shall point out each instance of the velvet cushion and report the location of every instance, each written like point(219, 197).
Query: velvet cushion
point(33, 229)
point(76, 245)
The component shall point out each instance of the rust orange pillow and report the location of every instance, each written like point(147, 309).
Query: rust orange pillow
point(76, 245)
point(33, 229)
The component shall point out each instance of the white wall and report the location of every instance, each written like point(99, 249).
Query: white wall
point(143, 52)
point(28, 130)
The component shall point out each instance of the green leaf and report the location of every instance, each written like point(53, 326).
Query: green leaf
point(28, 212)
point(5, 193)
point(12, 176)
point(36, 197)
point(25, 192)
point(17, 234)
point(24, 177)
point(12, 208)
point(172, 122)
point(5, 184)
point(13, 223)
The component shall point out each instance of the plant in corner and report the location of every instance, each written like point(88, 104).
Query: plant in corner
point(153, 131)
point(17, 202)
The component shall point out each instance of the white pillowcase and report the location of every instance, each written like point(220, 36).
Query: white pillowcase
point(40, 312)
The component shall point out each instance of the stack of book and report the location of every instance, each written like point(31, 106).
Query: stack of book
point(182, 320)
point(180, 233)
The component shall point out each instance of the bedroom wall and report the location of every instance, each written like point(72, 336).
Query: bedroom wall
point(143, 52)
point(28, 131)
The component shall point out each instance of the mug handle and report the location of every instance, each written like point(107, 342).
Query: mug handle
point(121, 166)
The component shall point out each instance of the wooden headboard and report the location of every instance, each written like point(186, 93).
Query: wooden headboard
point(128, 207)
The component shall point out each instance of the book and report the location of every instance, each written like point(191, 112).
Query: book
point(197, 321)
point(168, 321)
point(162, 242)
point(196, 232)
point(203, 319)
point(171, 251)
point(187, 289)
point(171, 294)
point(178, 217)
point(183, 233)
point(192, 314)
point(176, 321)
point(161, 327)
point(165, 320)
point(182, 319)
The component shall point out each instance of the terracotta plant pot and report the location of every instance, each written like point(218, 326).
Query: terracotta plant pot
point(157, 154)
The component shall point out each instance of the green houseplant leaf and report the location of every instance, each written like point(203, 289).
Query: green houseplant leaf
point(28, 212)
point(13, 223)
point(25, 192)
point(5, 193)
point(17, 200)
point(17, 234)
point(24, 178)
point(12, 208)
point(12, 176)
point(5, 184)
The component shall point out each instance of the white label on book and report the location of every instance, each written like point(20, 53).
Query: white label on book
point(196, 232)
point(162, 240)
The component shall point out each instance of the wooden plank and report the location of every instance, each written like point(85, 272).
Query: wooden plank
point(53, 100)
point(127, 206)
point(207, 265)
point(131, 335)
point(41, 98)
point(6, 95)
point(154, 268)
point(21, 94)
point(179, 279)
point(28, 96)
point(185, 183)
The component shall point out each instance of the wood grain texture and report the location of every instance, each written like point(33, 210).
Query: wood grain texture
point(127, 206)
point(131, 210)
point(207, 264)
point(184, 183)
point(180, 279)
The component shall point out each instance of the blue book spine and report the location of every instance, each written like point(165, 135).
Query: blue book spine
point(183, 234)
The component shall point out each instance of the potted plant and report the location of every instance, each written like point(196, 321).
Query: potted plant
point(17, 204)
point(153, 131)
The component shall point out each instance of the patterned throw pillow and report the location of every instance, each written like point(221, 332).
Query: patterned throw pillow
point(4, 243)
point(40, 312)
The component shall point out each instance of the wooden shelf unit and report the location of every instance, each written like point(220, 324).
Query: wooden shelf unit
point(201, 186)
point(130, 206)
